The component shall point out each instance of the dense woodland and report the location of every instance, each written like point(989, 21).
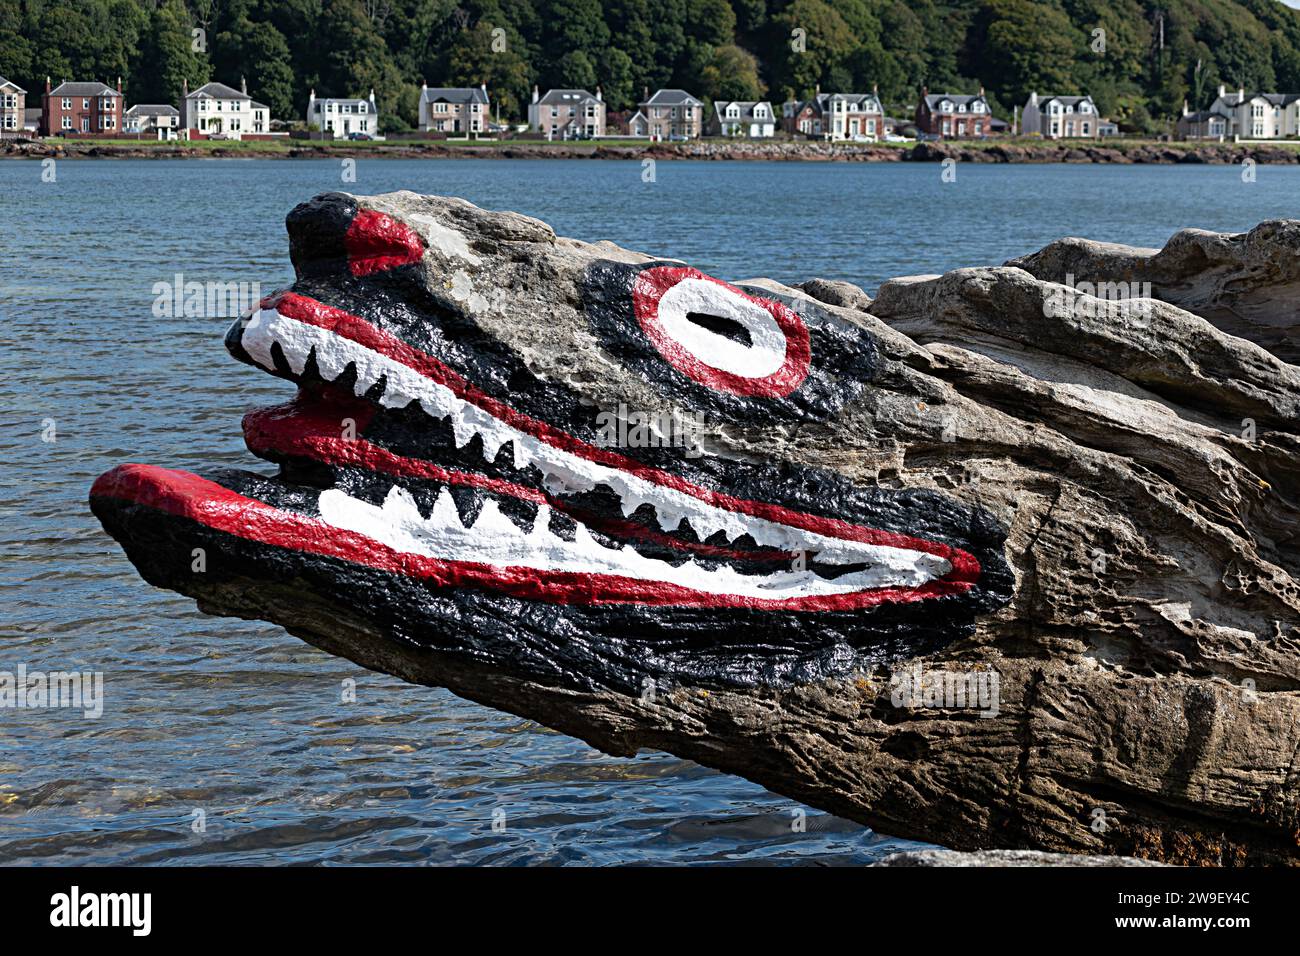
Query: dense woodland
point(1156, 53)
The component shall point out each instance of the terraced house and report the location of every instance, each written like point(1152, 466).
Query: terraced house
point(454, 110)
point(672, 114)
point(215, 109)
point(13, 107)
point(954, 115)
point(567, 114)
point(81, 109)
point(1061, 117)
point(343, 118)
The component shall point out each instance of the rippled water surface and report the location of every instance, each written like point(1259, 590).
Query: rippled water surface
point(244, 723)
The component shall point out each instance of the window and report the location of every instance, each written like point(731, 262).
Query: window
point(733, 111)
point(947, 106)
point(1085, 108)
point(106, 104)
point(1086, 129)
point(85, 103)
point(67, 102)
point(67, 122)
point(85, 124)
point(961, 108)
point(977, 107)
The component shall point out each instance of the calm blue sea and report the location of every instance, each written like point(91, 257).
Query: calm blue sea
point(241, 726)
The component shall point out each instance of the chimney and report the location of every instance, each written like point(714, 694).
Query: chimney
point(1223, 91)
point(119, 84)
point(185, 87)
point(1184, 107)
point(243, 85)
point(981, 91)
point(875, 89)
point(483, 87)
point(534, 92)
point(645, 94)
point(47, 84)
point(598, 92)
point(372, 99)
point(1241, 93)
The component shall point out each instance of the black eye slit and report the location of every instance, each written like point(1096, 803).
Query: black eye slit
point(721, 325)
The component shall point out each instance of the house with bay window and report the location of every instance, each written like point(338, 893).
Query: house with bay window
point(344, 118)
point(456, 111)
point(1243, 115)
point(954, 115)
point(838, 117)
point(569, 114)
point(13, 108)
point(1061, 117)
point(217, 110)
point(81, 109)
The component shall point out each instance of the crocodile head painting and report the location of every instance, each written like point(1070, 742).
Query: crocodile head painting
point(563, 460)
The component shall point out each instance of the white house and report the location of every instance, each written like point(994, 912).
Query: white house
point(342, 118)
point(215, 109)
point(750, 119)
point(1061, 117)
point(1245, 115)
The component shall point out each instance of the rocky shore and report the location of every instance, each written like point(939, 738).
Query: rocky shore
point(982, 152)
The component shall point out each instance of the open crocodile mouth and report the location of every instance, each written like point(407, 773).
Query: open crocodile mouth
point(446, 483)
point(467, 491)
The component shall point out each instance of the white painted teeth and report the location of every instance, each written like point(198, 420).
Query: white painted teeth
point(562, 473)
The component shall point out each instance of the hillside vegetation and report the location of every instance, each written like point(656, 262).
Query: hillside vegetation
point(1148, 57)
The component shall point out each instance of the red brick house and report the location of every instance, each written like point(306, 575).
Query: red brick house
point(953, 115)
point(82, 109)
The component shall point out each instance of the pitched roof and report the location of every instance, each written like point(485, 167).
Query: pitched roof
point(4, 83)
point(219, 91)
point(858, 102)
point(1066, 100)
point(958, 99)
point(83, 89)
point(152, 109)
point(746, 110)
point(568, 98)
point(454, 94)
point(672, 98)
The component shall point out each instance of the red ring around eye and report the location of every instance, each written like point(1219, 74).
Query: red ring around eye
point(648, 291)
point(376, 242)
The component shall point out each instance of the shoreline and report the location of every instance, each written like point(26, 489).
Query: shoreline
point(986, 151)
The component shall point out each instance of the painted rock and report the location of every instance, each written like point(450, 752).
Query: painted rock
point(777, 530)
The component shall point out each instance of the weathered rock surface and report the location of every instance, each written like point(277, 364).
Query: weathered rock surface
point(1246, 284)
point(1136, 673)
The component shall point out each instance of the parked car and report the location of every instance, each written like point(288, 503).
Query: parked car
point(357, 136)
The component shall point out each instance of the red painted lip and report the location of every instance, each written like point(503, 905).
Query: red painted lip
point(376, 242)
point(965, 566)
point(188, 496)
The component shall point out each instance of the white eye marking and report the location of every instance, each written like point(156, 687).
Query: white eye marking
point(763, 356)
